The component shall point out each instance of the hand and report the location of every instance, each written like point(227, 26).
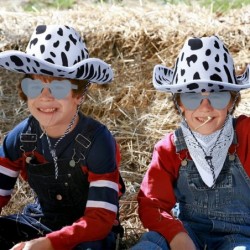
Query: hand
point(182, 242)
point(42, 243)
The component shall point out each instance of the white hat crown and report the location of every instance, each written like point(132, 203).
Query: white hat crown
point(203, 64)
point(59, 51)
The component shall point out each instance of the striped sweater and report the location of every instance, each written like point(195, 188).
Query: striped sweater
point(101, 165)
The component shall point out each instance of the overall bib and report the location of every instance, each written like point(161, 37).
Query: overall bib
point(215, 218)
point(219, 217)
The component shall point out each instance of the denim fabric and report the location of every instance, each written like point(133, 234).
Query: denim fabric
point(62, 200)
point(215, 218)
point(151, 241)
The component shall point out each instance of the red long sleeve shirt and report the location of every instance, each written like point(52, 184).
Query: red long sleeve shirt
point(156, 196)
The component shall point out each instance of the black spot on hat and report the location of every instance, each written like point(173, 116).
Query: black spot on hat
point(67, 46)
point(53, 54)
point(72, 39)
point(33, 42)
point(87, 53)
point(195, 43)
point(205, 65)
point(217, 69)
point(80, 71)
point(225, 49)
point(196, 76)
point(208, 52)
point(216, 77)
point(37, 63)
point(41, 29)
point(193, 86)
point(217, 58)
point(64, 59)
point(42, 49)
point(182, 72)
point(49, 60)
point(56, 44)
point(216, 45)
point(192, 58)
point(226, 58)
point(46, 72)
point(182, 56)
point(17, 61)
point(60, 32)
point(48, 37)
point(229, 77)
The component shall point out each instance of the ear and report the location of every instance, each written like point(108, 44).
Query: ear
point(79, 99)
point(182, 108)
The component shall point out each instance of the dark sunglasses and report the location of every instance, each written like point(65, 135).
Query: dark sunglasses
point(59, 89)
point(218, 100)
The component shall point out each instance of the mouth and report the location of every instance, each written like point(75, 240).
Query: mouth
point(204, 119)
point(47, 110)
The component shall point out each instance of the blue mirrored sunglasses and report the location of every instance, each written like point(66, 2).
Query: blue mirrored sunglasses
point(59, 89)
point(218, 100)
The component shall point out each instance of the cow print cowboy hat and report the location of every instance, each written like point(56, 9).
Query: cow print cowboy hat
point(203, 65)
point(57, 51)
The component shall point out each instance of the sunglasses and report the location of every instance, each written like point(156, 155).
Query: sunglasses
point(59, 89)
point(218, 100)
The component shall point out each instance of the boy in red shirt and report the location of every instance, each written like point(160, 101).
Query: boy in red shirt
point(204, 165)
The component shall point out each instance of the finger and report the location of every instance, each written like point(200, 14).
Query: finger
point(18, 246)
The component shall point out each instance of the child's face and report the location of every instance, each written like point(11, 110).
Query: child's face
point(205, 118)
point(53, 114)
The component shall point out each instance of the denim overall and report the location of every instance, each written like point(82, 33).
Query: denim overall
point(216, 218)
point(60, 201)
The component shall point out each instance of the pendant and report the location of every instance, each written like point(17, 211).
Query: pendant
point(28, 159)
point(184, 162)
point(72, 163)
point(231, 157)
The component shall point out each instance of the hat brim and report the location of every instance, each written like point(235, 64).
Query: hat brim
point(163, 76)
point(91, 69)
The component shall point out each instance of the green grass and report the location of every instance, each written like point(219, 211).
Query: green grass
point(223, 5)
point(214, 5)
point(38, 5)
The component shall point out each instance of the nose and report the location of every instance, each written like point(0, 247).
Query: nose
point(205, 104)
point(46, 93)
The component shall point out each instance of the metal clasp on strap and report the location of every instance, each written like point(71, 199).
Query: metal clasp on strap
point(28, 137)
point(82, 140)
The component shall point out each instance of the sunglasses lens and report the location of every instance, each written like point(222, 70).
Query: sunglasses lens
point(191, 101)
point(31, 88)
point(218, 100)
point(60, 89)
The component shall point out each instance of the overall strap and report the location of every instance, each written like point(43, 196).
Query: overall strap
point(179, 140)
point(235, 141)
point(84, 139)
point(28, 139)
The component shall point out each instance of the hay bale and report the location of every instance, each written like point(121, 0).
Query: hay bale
point(132, 41)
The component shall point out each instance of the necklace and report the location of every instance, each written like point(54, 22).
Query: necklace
point(52, 149)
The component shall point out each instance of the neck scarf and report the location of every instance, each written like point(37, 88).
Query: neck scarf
point(215, 145)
